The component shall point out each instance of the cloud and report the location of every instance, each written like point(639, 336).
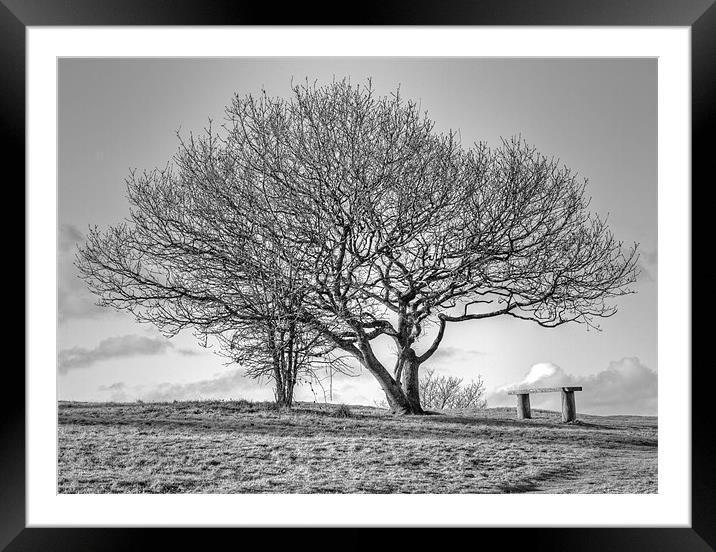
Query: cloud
point(69, 236)
point(224, 385)
point(626, 387)
point(648, 265)
point(455, 354)
point(74, 300)
point(234, 384)
point(114, 387)
point(650, 257)
point(188, 352)
point(220, 386)
point(113, 347)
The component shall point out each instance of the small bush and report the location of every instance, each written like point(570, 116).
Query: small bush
point(273, 406)
point(439, 392)
point(343, 412)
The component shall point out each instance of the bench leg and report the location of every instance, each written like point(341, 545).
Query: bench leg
point(523, 406)
point(569, 408)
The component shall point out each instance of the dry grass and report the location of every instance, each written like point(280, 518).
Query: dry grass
point(243, 447)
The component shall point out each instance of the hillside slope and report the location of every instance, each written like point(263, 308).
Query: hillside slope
point(243, 447)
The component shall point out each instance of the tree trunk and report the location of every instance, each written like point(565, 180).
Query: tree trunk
point(279, 381)
point(397, 401)
point(411, 381)
point(280, 393)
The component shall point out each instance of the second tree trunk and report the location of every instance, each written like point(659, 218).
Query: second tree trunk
point(411, 381)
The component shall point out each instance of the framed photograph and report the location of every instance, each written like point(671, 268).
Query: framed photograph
point(402, 271)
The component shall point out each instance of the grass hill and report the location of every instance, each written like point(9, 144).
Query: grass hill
point(245, 447)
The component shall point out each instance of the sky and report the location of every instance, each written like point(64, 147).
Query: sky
point(598, 116)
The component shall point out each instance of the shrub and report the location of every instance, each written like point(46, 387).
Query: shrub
point(343, 412)
point(437, 391)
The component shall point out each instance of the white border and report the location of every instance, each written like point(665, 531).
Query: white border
point(670, 507)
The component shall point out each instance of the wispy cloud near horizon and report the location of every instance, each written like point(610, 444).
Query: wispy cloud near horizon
point(223, 385)
point(116, 347)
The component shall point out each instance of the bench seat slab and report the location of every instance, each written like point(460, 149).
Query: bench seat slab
point(543, 390)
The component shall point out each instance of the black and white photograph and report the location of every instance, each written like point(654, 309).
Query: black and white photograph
point(357, 275)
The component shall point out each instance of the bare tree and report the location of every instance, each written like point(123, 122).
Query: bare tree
point(281, 347)
point(387, 227)
point(180, 268)
point(439, 391)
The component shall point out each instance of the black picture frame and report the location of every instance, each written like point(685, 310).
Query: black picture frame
point(699, 15)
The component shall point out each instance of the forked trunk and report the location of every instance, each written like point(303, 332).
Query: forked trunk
point(397, 401)
point(394, 394)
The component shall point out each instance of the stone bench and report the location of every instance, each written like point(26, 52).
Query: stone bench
point(569, 407)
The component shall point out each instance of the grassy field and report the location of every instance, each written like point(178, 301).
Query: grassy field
point(244, 447)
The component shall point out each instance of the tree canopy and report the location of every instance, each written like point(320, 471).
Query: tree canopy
point(349, 214)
